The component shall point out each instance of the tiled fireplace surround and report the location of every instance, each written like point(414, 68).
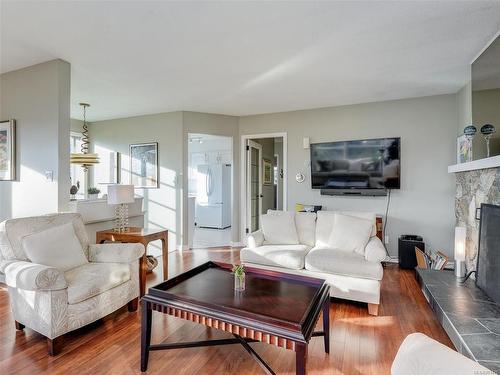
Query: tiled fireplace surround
point(473, 188)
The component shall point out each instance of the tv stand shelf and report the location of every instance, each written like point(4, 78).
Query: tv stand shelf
point(469, 317)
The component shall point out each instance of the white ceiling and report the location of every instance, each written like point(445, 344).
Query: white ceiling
point(240, 58)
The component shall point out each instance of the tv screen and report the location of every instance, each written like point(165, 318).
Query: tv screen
point(350, 165)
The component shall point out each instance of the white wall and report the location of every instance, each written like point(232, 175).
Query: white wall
point(163, 206)
point(428, 128)
point(38, 98)
point(76, 125)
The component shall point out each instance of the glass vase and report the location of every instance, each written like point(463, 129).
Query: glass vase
point(239, 283)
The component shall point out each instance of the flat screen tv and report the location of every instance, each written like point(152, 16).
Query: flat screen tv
point(488, 258)
point(367, 167)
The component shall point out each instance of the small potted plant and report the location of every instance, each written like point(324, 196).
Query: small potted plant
point(239, 277)
point(93, 192)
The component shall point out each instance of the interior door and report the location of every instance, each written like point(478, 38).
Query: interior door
point(254, 186)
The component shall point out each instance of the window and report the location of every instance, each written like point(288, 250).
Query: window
point(77, 174)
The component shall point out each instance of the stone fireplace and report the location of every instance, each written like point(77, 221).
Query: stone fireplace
point(474, 187)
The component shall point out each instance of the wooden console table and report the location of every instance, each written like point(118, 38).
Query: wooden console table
point(143, 236)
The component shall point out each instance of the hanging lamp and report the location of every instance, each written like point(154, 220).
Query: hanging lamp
point(85, 159)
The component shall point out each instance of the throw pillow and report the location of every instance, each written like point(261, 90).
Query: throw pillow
point(55, 247)
point(279, 229)
point(305, 223)
point(363, 215)
point(350, 233)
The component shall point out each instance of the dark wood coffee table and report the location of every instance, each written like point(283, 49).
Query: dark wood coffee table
point(276, 308)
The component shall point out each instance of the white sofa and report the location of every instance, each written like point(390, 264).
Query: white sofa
point(353, 275)
point(421, 355)
point(54, 300)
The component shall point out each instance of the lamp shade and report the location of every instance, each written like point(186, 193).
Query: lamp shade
point(119, 194)
point(460, 238)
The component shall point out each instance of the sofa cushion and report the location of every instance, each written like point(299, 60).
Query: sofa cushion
point(350, 234)
point(339, 262)
point(324, 224)
point(56, 247)
point(286, 256)
point(279, 229)
point(92, 279)
point(305, 223)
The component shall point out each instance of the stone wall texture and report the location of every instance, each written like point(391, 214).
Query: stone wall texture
point(474, 188)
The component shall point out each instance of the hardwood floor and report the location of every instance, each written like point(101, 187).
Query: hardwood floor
point(360, 344)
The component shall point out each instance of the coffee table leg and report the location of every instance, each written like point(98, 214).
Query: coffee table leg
point(145, 334)
point(142, 275)
point(326, 325)
point(164, 254)
point(300, 358)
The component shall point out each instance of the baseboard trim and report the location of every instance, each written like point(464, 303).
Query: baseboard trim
point(237, 244)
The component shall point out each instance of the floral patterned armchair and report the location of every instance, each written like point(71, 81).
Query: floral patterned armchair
point(53, 302)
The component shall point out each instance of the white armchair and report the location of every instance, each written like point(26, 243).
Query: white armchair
point(421, 355)
point(52, 301)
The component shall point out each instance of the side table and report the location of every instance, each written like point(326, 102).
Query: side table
point(143, 236)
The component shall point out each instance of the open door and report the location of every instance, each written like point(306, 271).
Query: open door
point(254, 186)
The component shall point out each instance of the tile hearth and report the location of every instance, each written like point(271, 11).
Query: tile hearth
point(470, 318)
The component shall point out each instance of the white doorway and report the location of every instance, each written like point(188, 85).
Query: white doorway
point(209, 190)
point(263, 178)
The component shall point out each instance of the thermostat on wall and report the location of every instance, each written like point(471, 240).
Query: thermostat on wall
point(299, 177)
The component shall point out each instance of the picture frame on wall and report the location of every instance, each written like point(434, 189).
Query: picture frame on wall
point(464, 149)
point(267, 171)
point(144, 165)
point(8, 150)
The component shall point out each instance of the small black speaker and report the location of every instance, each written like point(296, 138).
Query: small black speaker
point(406, 250)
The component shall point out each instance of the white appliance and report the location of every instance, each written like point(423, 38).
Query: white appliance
point(213, 196)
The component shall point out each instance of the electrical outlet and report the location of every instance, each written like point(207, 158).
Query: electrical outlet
point(386, 240)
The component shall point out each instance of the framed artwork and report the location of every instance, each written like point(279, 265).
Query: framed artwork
point(267, 170)
point(464, 149)
point(144, 165)
point(8, 150)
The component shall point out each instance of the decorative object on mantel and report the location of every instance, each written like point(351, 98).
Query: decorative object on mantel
point(8, 150)
point(93, 192)
point(144, 165)
point(121, 195)
point(74, 189)
point(487, 130)
point(460, 238)
point(85, 159)
point(464, 151)
point(470, 132)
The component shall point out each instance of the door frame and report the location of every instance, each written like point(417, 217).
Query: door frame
point(243, 176)
point(248, 202)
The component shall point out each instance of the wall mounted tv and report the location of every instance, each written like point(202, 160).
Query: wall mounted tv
point(365, 167)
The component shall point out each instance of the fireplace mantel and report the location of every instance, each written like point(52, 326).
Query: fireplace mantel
point(491, 162)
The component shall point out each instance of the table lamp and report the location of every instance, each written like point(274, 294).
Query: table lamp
point(460, 238)
point(121, 195)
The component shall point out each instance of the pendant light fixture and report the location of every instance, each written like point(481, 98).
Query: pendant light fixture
point(85, 159)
